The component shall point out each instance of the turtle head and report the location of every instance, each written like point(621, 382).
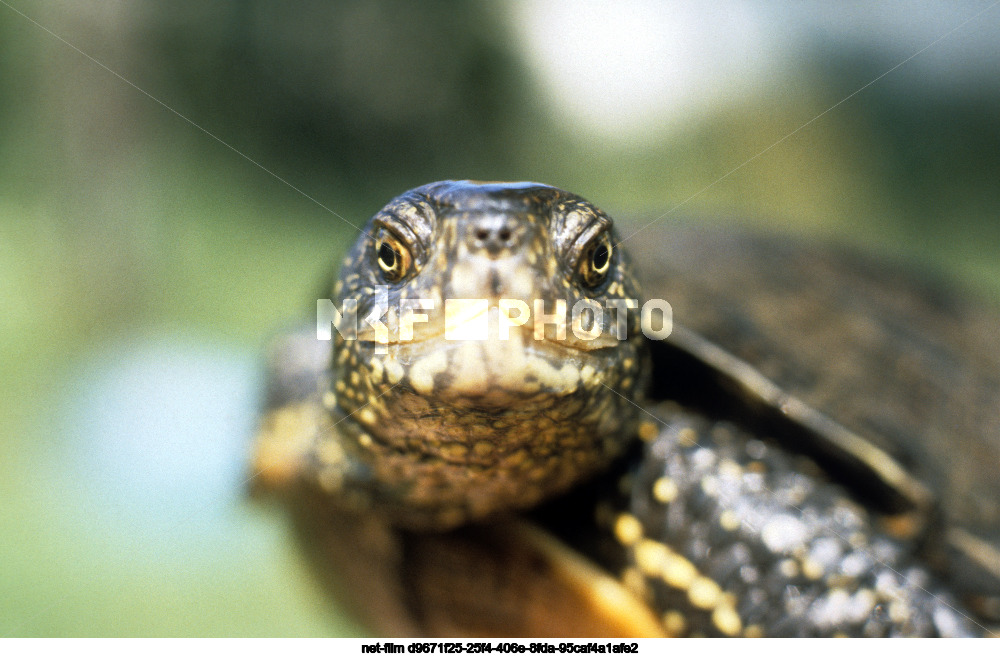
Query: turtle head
point(493, 354)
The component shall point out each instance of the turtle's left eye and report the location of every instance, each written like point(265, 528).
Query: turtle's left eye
point(596, 261)
point(393, 257)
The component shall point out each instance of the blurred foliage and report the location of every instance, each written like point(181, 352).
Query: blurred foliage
point(374, 95)
point(131, 213)
point(937, 151)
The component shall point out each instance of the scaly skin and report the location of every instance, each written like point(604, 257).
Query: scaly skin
point(738, 537)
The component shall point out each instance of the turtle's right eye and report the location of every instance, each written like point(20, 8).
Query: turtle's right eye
point(393, 257)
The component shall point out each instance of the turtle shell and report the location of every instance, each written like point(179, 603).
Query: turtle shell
point(890, 381)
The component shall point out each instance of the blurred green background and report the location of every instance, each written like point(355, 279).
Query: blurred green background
point(150, 244)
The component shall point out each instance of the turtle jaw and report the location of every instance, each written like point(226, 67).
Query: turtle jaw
point(440, 386)
point(494, 372)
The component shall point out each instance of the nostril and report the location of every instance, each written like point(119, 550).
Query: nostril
point(494, 235)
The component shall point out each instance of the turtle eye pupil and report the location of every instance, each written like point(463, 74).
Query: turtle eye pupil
point(600, 257)
point(387, 256)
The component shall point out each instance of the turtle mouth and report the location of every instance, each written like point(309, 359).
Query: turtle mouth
point(492, 373)
point(544, 346)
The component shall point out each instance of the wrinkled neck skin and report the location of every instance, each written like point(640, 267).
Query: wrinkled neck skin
point(474, 414)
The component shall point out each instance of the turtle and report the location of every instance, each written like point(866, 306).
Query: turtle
point(512, 420)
